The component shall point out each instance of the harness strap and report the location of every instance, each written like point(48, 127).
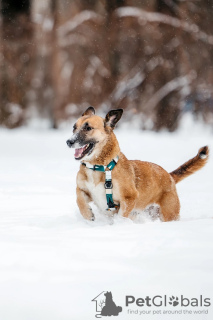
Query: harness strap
point(111, 206)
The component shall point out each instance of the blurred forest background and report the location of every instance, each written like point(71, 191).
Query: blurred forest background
point(153, 58)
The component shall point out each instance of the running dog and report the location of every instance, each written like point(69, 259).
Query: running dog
point(127, 186)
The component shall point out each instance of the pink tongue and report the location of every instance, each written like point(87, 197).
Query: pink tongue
point(78, 152)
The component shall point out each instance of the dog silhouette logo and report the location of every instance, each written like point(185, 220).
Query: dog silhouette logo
point(105, 306)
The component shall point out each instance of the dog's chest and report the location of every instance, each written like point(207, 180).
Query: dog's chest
point(95, 186)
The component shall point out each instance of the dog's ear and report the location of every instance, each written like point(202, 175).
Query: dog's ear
point(112, 117)
point(89, 112)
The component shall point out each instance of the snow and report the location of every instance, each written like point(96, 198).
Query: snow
point(77, 20)
point(143, 15)
point(127, 84)
point(172, 85)
point(53, 263)
point(96, 65)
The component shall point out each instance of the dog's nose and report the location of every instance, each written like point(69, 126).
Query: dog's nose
point(69, 143)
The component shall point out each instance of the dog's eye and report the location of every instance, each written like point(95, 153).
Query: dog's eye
point(88, 128)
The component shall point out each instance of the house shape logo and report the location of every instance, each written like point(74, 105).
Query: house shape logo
point(105, 306)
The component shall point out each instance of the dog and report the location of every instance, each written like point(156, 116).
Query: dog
point(110, 308)
point(132, 185)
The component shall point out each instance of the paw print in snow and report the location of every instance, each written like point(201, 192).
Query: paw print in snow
point(173, 301)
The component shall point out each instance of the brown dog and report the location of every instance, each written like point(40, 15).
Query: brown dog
point(136, 184)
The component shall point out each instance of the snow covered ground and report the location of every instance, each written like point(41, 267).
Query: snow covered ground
point(53, 263)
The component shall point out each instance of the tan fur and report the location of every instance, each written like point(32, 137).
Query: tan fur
point(191, 166)
point(136, 184)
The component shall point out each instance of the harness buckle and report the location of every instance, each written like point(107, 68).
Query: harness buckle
point(110, 209)
point(108, 184)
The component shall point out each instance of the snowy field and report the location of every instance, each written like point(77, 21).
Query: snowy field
point(53, 263)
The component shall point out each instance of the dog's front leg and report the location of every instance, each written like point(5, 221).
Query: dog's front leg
point(83, 200)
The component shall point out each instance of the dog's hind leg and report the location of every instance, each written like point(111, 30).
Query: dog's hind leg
point(127, 205)
point(83, 200)
point(169, 206)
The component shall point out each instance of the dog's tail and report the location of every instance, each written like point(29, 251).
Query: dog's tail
point(192, 165)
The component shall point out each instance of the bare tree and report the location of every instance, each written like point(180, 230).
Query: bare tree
point(153, 59)
point(101, 304)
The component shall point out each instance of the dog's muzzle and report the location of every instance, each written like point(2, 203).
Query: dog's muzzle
point(70, 143)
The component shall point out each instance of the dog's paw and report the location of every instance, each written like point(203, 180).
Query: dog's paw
point(92, 218)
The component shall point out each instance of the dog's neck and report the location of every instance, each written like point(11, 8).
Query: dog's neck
point(108, 152)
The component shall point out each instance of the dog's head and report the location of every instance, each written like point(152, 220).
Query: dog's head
point(108, 295)
point(91, 132)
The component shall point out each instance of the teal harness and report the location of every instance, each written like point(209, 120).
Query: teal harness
point(111, 206)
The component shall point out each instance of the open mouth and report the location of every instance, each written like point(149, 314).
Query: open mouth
point(81, 152)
